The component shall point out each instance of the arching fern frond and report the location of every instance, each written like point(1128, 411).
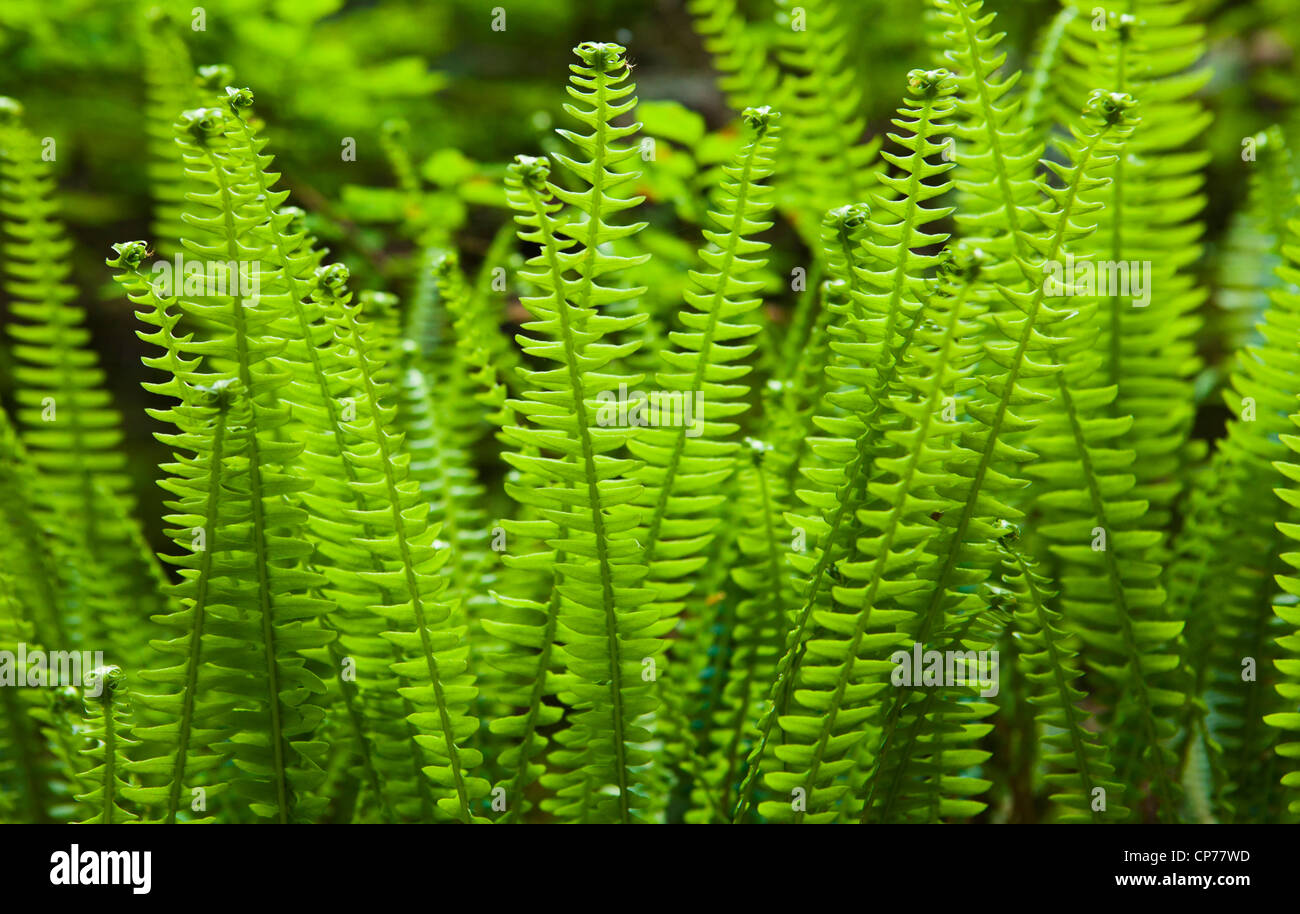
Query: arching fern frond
point(688, 448)
point(583, 498)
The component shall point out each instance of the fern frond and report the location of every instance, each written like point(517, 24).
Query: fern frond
point(1252, 250)
point(996, 152)
point(584, 500)
point(985, 467)
point(688, 448)
point(70, 428)
point(827, 163)
point(107, 733)
point(320, 404)
point(740, 52)
point(396, 533)
point(264, 607)
point(169, 80)
point(185, 725)
point(880, 316)
point(1149, 222)
point(1078, 772)
point(1110, 546)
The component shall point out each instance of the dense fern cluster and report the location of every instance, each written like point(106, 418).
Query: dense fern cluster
point(619, 529)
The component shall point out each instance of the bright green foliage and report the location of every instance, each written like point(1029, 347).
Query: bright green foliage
point(689, 449)
point(880, 301)
point(170, 87)
point(740, 52)
point(260, 593)
point(1077, 770)
point(821, 94)
point(1219, 592)
point(1148, 216)
point(995, 148)
point(1264, 379)
point(188, 722)
point(69, 426)
point(605, 634)
point(987, 468)
point(1253, 246)
point(792, 468)
point(397, 540)
point(1099, 530)
point(106, 733)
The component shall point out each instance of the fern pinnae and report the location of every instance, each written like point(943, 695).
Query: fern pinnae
point(107, 732)
point(589, 472)
point(1150, 49)
point(1087, 781)
point(1139, 638)
point(261, 558)
point(1007, 214)
point(884, 320)
point(528, 194)
point(758, 626)
point(823, 155)
point(943, 365)
point(25, 792)
point(29, 782)
point(169, 80)
point(69, 426)
point(1256, 570)
point(998, 154)
point(1011, 350)
point(381, 727)
point(1092, 490)
point(38, 591)
point(191, 725)
point(280, 764)
point(1039, 97)
point(404, 540)
point(1251, 252)
point(584, 499)
point(740, 54)
point(678, 464)
point(447, 426)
